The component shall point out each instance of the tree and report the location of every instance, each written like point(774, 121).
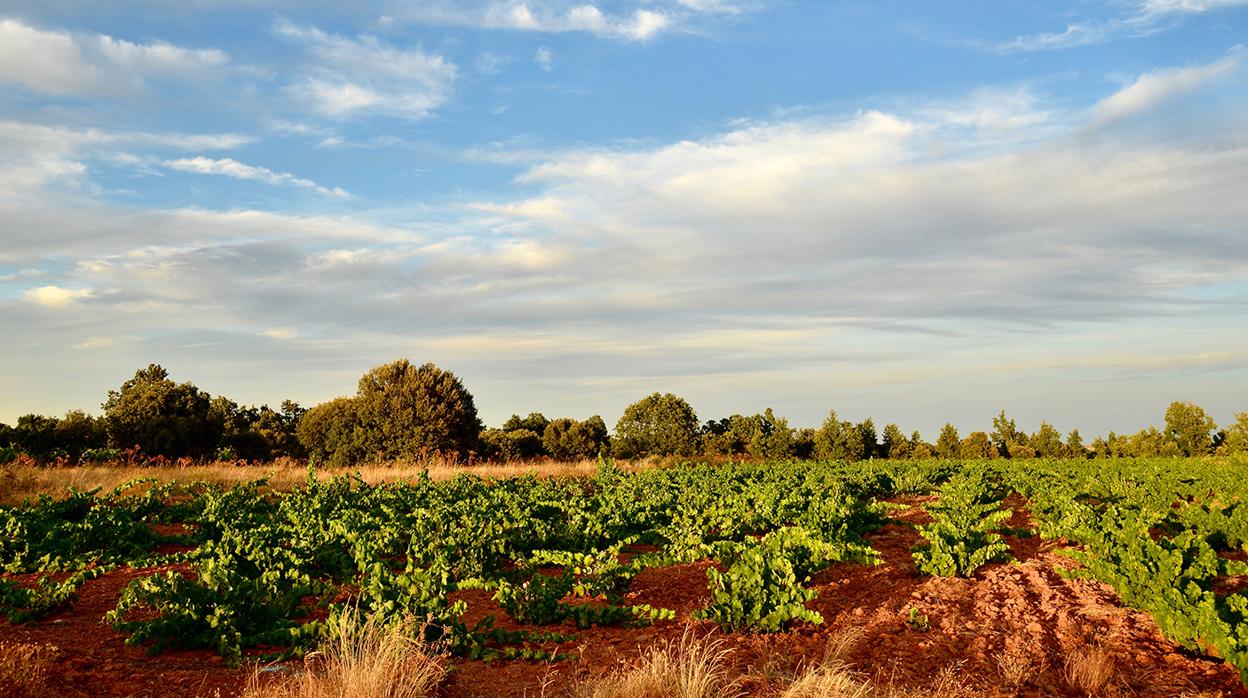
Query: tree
point(1074, 445)
point(35, 435)
point(536, 422)
point(162, 417)
point(1236, 440)
point(568, 439)
point(1047, 442)
point(758, 436)
point(656, 425)
point(1190, 429)
point(78, 432)
point(516, 444)
point(837, 440)
point(948, 444)
point(1148, 443)
point(977, 446)
point(279, 428)
point(896, 446)
point(409, 411)
point(804, 443)
point(332, 433)
point(1006, 432)
point(769, 436)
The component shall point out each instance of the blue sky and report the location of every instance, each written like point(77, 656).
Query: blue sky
point(914, 211)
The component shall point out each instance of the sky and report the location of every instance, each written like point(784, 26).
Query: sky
point(919, 212)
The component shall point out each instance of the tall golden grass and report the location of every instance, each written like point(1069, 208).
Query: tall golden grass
point(22, 481)
point(691, 668)
point(364, 658)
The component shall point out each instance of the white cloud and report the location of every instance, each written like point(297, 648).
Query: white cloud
point(640, 24)
point(55, 296)
point(1147, 18)
point(61, 63)
point(1153, 89)
point(366, 75)
point(1152, 8)
point(33, 156)
point(230, 167)
point(544, 58)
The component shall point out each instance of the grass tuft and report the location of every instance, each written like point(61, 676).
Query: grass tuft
point(362, 659)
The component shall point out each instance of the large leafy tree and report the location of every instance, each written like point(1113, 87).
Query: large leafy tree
point(1047, 442)
point(1189, 428)
point(36, 436)
point(410, 411)
point(162, 417)
point(657, 425)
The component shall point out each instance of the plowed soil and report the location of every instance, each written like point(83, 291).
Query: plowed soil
point(1013, 629)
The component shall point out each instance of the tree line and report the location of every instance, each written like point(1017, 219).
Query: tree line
point(404, 411)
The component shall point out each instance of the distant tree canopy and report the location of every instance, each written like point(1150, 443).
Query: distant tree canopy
point(656, 425)
point(406, 411)
point(758, 436)
point(178, 420)
point(400, 411)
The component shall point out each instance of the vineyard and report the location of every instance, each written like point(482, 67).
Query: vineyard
point(523, 571)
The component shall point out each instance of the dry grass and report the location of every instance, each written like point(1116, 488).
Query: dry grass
point(363, 659)
point(692, 668)
point(1017, 667)
point(19, 481)
point(700, 668)
point(24, 668)
point(1089, 670)
point(829, 681)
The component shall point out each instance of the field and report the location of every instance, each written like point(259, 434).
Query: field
point(1036, 577)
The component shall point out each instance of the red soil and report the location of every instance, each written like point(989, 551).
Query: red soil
point(1022, 615)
